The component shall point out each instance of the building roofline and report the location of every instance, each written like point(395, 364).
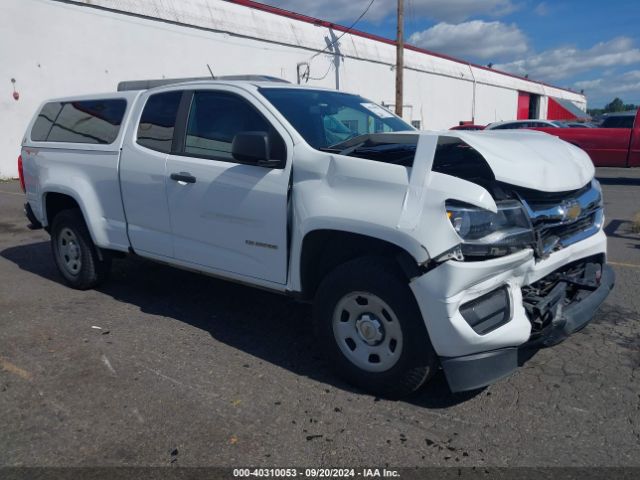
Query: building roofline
point(341, 28)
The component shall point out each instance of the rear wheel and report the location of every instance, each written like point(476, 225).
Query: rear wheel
point(74, 252)
point(370, 326)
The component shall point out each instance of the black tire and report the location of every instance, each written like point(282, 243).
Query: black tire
point(416, 363)
point(70, 240)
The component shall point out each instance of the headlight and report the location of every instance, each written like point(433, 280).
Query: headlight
point(487, 234)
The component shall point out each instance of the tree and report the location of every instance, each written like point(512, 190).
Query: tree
point(616, 105)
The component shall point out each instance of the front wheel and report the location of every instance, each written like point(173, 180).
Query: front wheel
point(369, 324)
point(74, 252)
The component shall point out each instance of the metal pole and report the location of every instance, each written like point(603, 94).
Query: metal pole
point(473, 102)
point(400, 58)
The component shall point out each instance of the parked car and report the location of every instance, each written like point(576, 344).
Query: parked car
point(468, 126)
point(517, 124)
point(616, 143)
point(571, 124)
point(419, 250)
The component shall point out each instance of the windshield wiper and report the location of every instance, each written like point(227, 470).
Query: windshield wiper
point(347, 142)
point(351, 149)
point(344, 151)
point(347, 146)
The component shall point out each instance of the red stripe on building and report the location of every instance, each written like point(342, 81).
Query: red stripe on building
point(523, 106)
point(555, 111)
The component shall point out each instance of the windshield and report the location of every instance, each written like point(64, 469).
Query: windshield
point(326, 118)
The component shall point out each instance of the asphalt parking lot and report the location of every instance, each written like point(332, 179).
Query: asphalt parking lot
point(189, 370)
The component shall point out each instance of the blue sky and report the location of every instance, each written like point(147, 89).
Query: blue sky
point(590, 44)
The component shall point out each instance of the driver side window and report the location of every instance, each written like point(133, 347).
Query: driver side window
point(214, 120)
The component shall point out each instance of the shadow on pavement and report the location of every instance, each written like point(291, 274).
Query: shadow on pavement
point(272, 327)
point(622, 229)
point(619, 181)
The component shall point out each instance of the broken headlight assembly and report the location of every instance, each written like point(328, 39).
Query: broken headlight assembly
point(487, 234)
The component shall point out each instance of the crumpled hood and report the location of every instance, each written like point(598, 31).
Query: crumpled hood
point(531, 159)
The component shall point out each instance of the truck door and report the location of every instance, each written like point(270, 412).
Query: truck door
point(226, 215)
point(142, 173)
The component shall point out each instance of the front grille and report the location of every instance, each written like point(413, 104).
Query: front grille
point(539, 200)
point(562, 219)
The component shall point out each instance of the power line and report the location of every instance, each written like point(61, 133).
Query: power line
point(345, 32)
point(412, 13)
point(306, 76)
point(322, 77)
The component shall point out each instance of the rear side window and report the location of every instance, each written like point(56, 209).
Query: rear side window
point(85, 121)
point(618, 122)
point(158, 121)
point(44, 122)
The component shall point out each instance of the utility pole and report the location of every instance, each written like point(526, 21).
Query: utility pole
point(400, 58)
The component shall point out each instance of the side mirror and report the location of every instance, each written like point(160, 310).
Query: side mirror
point(252, 148)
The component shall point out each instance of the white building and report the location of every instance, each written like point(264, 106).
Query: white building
point(54, 48)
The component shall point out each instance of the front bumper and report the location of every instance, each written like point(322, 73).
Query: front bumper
point(478, 370)
point(471, 357)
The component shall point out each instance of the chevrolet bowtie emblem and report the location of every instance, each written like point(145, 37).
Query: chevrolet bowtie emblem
point(572, 211)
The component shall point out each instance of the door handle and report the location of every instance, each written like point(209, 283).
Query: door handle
point(185, 177)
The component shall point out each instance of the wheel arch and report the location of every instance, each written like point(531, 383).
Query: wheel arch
point(54, 203)
point(322, 250)
point(55, 200)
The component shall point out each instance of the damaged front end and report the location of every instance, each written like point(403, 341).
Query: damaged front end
point(527, 266)
point(524, 217)
point(556, 305)
point(564, 301)
point(512, 224)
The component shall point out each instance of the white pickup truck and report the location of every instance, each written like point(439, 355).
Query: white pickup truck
point(419, 249)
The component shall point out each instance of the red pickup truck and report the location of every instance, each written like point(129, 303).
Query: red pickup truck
point(615, 144)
